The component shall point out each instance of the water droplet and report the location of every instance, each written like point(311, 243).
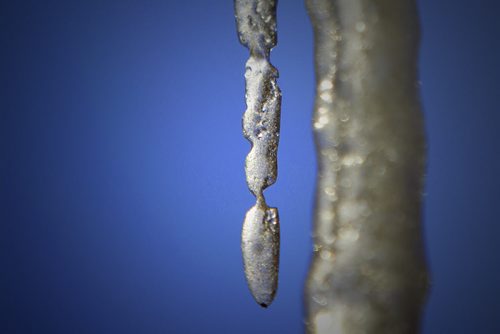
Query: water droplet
point(327, 97)
point(325, 85)
point(360, 26)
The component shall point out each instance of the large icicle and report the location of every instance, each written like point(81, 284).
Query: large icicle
point(368, 270)
point(256, 21)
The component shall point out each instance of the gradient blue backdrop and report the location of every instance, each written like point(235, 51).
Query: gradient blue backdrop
point(122, 182)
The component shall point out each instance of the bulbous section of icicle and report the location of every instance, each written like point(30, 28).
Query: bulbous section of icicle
point(261, 124)
point(260, 248)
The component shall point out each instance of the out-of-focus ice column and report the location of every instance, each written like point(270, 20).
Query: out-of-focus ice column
point(368, 272)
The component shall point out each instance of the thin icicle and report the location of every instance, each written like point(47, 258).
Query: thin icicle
point(256, 21)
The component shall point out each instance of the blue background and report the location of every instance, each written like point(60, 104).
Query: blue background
point(122, 182)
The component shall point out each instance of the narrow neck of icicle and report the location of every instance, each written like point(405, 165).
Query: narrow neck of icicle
point(259, 53)
point(261, 201)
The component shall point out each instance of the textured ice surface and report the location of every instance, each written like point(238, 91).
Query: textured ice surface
point(256, 22)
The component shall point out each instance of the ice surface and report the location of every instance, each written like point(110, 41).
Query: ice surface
point(368, 270)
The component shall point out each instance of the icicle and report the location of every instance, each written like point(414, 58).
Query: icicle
point(368, 270)
point(256, 21)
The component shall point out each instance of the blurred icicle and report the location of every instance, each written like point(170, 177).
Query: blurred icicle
point(368, 273)
point(256, 21)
